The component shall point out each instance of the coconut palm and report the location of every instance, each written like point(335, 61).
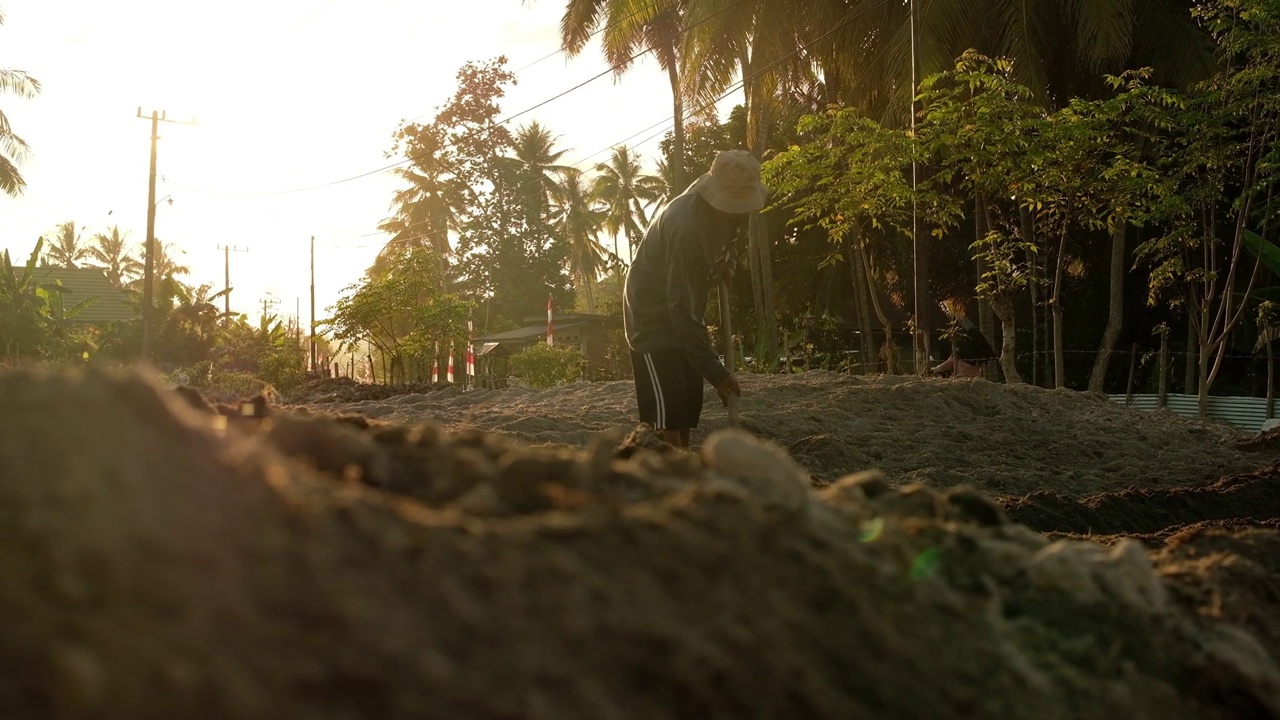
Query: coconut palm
point(772, 46)
point(630, 25)
point(1060, 48)
point(579, 223)
point(423, 213)
point(67, 246)
point(537, 160)
point(164, 265)
point(626, 192)
point(13, 149)
point(112, 255)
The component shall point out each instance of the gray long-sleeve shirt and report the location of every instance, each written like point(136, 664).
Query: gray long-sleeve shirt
point(668, 283)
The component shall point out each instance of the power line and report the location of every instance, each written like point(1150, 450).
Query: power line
point(667, 123)
point(489, 128)
point(663, 125)
point(560, 50)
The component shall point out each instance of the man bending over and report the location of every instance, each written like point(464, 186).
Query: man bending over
point(685, 253)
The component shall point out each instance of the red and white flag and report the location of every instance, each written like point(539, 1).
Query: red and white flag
point(435, 365)
point(471, 349)
point(551, 330)
point(449, 376)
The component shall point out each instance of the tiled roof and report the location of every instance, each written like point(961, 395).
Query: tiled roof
point(112, 303)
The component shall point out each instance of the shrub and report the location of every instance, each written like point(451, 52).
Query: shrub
point(547, 366)
point(285, 368)
point(218, 381)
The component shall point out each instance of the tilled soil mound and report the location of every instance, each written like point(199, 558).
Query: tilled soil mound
point(1231, 574)
point(155, 565)
point(1004, 440)
point(1240, 498)
point(321, 390)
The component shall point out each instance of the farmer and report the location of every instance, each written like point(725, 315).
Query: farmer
point(971, 352)
point(687, 251)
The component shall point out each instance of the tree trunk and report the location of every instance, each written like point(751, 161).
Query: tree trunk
point(1059, 354)
point(591, 296)
point(1271, 374)
point(1008, 340)
point(1189, 373)
point(1202, 388)
point(890, 347)
point(757, 294)
point(862, 300)
point(677, 132)
point(986, 318)
point(757, 139)
point(1115, 316)
point(1033, 284)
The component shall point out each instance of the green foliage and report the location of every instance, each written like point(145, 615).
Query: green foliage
point(402, 311)
point(208, 376)
point(848, 170)
point(547, 366)
point(35, 321)
point(1217, 161)
point(467, 177)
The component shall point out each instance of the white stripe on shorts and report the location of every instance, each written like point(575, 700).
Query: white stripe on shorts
point(661, 422)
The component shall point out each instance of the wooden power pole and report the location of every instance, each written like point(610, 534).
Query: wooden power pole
point(226, 275)
point(148, 262)
point(313, 303)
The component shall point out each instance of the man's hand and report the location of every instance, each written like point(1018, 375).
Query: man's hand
point(729, 388)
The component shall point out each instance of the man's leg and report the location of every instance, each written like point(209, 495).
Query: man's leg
point(659, 389)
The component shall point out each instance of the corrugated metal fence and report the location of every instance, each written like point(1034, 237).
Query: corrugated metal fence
point(1246, 413)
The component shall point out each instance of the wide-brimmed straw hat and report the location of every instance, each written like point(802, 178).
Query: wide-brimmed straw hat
point(733, 185)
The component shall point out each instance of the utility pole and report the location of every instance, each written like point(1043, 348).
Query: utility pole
point(226, 275)
point(148, 263)
point(313, 303)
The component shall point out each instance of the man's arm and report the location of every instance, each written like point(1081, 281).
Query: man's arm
point(684, 256)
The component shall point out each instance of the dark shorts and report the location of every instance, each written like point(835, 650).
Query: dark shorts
point(668, 388)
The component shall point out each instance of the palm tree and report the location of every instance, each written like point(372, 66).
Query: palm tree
point(579, 224)
point(67, 247)
point(657, 26)
point(13, 149)
point(763, 42)
point(537, 159)
point(625, 191)
point(163, 264)
point(110, 252)
point(1060, 48)
point(422, 213)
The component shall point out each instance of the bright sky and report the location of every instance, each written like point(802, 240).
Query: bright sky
point(286, 95)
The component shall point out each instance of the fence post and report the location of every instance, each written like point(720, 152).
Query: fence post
point(1164, 366)
point(1133, 366)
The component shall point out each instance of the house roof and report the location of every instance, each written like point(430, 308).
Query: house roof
point(526, 334)
point(568, 317)
point(81, 283)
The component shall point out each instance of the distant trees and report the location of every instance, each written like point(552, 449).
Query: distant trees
point(112, 255)
point(66, 247)
point(403, 312)
point(519, 224)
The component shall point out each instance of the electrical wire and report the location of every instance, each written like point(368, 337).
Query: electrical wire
point(666, 124)
point(663, 126)
point(489, 128)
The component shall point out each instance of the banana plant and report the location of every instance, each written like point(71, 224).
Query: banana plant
point(33, 313)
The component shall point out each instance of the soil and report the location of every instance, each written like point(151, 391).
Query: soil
point(1241, 498)
point(1004, 440)
point(166, 557)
